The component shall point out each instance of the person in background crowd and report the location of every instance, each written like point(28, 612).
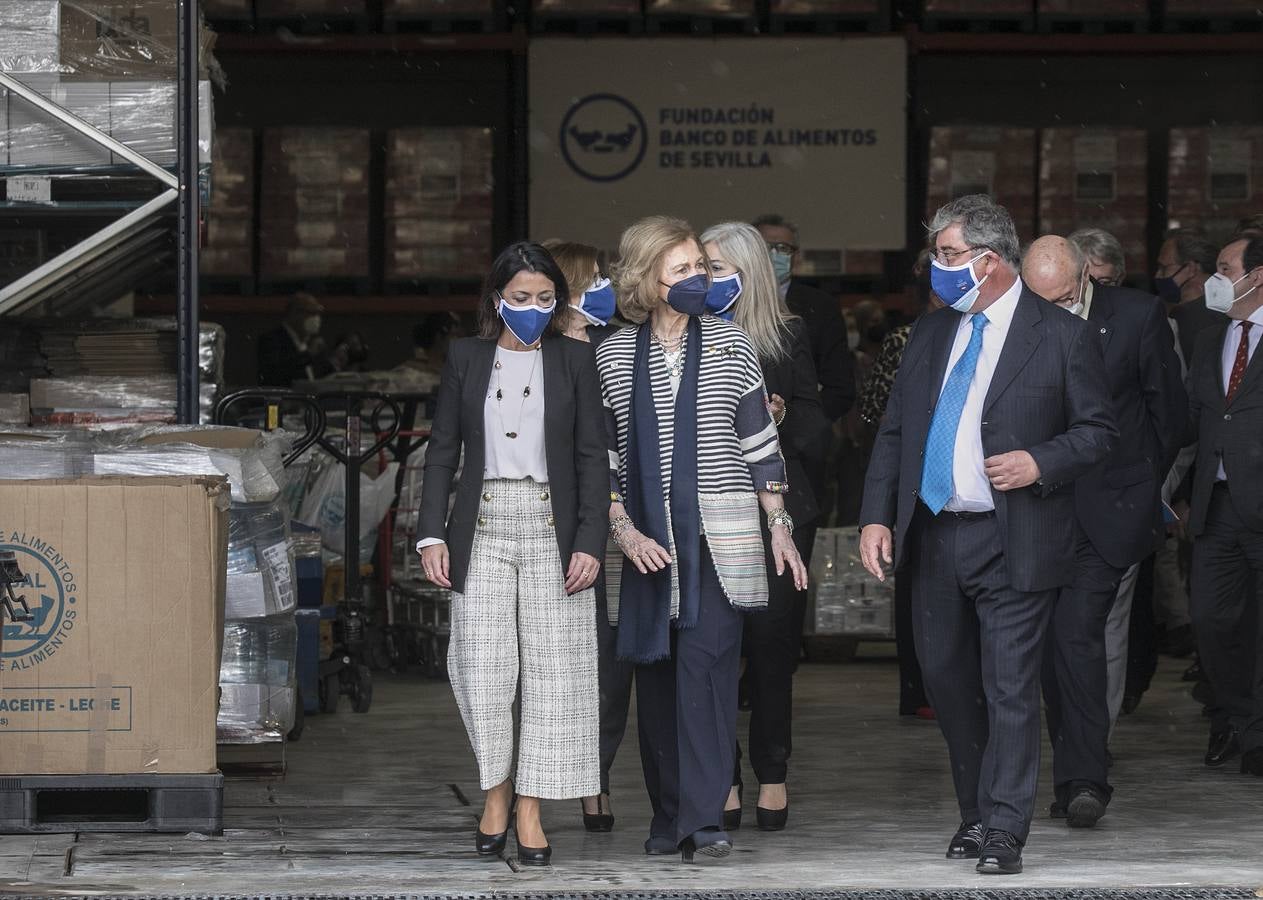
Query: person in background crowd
point(871, 327)
point(1226, 512)
point(350, 353)
point(743, 285)
point(1249, 227)
point(1000, 404)
point(873, 399)
point(826, 330)
point(697, 454)
point(430, 338)
point(1118, 513)
point(1107, 264)
point(522, 546)
point(592, 304)
point(1186, 260)
point(294, 351)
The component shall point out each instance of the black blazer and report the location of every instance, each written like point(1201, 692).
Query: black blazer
point(1049, 395)
point(805, 433)
point(1231, 433)
point(1191, 319)
point(574, 446)
point(1119, 502)
point(826, 334)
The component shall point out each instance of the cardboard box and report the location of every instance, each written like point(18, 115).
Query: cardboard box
point(825, 7)
point(29, 36)
point(1097, 177)
point(108, 39)
point(985, 160)
point(979, 7)
point(118, 673)
point(598, 7)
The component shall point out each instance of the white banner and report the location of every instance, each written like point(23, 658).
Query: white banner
point(717, 131)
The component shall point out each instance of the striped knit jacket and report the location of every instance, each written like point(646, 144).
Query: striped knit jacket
point(738, 452)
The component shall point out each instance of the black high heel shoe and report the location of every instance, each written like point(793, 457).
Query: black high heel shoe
point(732, 817)
point(771, 819)
point(534, 856)
point(494, 844)
point(706, 845)
point(598, 822)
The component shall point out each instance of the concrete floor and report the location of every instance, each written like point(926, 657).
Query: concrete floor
point(374, 804)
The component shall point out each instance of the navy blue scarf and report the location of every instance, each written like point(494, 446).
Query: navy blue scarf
point(644, 608)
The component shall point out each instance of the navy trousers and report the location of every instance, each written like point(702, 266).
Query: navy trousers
point(686, 709)
point(615, 679)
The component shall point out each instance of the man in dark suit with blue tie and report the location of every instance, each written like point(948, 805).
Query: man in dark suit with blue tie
point(1119, 512)
point(1000, 403)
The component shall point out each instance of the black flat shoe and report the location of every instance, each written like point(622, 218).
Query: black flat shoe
point(534, 856)
point(1085, 809)
point(966, 842)
point(705, 846)
point(490, 844)
point(600, 822)
point(732, 817)
point(1001, 854)
point(1223, 747)
point(771, 819)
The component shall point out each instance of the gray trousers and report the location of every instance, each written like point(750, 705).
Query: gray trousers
point(516, 633)
point(1117, 629)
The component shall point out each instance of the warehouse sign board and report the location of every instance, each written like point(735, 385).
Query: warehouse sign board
point(719, 130)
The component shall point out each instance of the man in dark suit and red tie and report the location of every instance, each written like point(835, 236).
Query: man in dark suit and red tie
point(1225, 386)
point(1000, 403)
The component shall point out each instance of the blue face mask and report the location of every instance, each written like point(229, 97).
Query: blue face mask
point(957, 286)
point(782, 264)
point(526, 322)
point(689, 296)
point(597, 303)
point(723, 294)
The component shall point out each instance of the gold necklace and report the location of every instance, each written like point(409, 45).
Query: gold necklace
point(526, 392)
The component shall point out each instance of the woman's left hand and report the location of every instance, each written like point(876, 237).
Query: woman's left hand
point(785, 554)
point(776, 407)
point(582, 572)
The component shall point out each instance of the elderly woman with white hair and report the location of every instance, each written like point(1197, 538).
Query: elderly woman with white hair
point(694, 454)
point(743, 289)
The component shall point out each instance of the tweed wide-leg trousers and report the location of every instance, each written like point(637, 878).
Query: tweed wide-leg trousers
point(516, 634)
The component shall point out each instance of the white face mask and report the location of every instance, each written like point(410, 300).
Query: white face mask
point(1222, 293)
point(311, 326)
point(1075, 309)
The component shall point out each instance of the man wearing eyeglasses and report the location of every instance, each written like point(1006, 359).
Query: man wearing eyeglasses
point(1000, 404)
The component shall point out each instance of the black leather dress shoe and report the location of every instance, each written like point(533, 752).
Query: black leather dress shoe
point(1001, 854)
point(534, 856)
point(490, 844)
point(1252, 762)
point(1084, 809)
point(1224, 746)
point(966, 842)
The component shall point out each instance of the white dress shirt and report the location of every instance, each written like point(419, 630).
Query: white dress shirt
point(522, 456)
point(971, 490)
point(1232, 340)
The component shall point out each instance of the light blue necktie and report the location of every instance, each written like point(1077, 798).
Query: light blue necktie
point(936, 470)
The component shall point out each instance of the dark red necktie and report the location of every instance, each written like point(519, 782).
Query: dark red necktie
point(1239, 364)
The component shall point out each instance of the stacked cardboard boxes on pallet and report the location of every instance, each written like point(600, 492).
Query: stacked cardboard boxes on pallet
point(1096, 177)
point(439, 195)
point(1215, 177)
point(229, 249)
point(985, 160)
point(314, 216)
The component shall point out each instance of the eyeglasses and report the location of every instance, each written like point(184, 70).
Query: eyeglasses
point(782, 247)
point(946, 256)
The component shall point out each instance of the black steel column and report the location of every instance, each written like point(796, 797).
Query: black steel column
point(187, 64)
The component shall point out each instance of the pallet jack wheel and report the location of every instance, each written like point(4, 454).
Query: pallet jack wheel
point(330, 689)
point(362, 689)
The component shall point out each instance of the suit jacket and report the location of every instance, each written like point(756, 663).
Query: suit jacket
point(574, 447)
point(1119, 501)
point(1049, 395)
point(826, 334)
point(1192, 319)
point(1225, 432)
point(805, 433)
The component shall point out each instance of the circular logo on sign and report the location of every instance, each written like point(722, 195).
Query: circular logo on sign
point(44, 592)
point(603, 137)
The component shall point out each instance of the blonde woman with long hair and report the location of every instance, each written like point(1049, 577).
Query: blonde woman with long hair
point(696, 456)
point(744, 287)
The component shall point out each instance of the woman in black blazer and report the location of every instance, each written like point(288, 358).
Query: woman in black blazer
point(521, 547)
point(738, 258)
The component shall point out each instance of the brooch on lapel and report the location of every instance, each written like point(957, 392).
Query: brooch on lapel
point(727, 351)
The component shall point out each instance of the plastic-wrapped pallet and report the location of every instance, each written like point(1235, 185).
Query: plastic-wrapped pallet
point(260, 562)
point(847, 600)
point(257, 680)
point(32, 453)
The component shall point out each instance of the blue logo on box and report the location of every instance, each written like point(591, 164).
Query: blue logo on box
point(51, 593)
